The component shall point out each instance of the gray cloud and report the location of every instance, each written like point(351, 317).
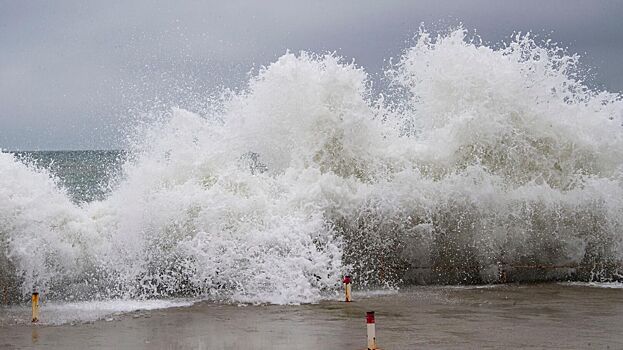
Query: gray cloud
point(73, 72)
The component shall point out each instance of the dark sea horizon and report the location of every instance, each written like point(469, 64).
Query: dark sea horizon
point(86, 175)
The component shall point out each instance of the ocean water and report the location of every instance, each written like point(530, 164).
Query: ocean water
point(85, 175)
point(476, 165)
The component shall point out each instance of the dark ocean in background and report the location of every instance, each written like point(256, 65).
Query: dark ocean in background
point(86, 175)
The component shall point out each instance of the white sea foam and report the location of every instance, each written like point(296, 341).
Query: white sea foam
point(475, 156)
point(609, 285)
point(57, 313)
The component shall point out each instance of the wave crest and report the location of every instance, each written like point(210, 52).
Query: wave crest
point(475, 158)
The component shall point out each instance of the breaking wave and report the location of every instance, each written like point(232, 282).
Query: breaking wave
point(475, 158)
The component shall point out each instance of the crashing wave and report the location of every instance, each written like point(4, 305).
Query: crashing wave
point(474, 161)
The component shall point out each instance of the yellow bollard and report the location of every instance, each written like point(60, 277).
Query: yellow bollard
point(371, 330)
point(35, 307)
point(347, 282)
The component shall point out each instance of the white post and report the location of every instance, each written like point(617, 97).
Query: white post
point(371, 330)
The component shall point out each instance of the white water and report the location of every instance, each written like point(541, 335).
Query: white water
point(610, 285)
point(476, 156)
point(57, 313)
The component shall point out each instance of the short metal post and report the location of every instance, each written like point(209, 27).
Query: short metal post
point(371, 330)
point(35, 307)
point(347, 283)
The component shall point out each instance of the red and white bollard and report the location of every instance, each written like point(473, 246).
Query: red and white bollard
point(371, 330)
point(347, 282)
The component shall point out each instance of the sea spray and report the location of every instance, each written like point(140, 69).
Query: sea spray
point(474, 158)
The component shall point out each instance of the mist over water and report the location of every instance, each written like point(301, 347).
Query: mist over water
point(474, 157)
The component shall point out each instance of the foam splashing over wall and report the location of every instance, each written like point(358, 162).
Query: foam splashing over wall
point(475, 157)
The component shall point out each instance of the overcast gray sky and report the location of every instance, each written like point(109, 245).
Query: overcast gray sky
point(73, 73)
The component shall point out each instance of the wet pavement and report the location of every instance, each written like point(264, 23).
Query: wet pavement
point(542, 316)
